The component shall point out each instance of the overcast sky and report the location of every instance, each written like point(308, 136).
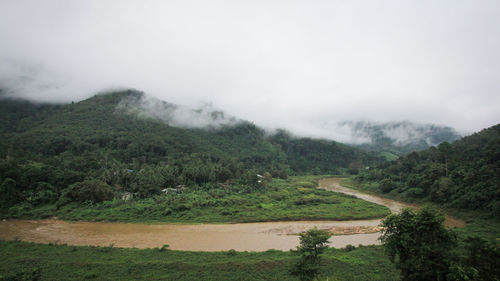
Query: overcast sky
point(292, 64)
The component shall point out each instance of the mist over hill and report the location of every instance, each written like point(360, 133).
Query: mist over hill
point(204, 116)
point(464, 174)
point(398, 137)
point(47, 148)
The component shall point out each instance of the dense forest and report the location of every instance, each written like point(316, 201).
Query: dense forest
point(94, 150)
point(464, 175)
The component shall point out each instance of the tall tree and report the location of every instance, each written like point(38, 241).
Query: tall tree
point(312, 243)
point(419, 244)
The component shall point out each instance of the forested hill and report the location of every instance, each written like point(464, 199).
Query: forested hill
point(399, 138)
point(465, 174)
point(46, 148)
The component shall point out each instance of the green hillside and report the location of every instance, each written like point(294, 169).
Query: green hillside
point(96, 149)
point(398, 138)
point(464, 175)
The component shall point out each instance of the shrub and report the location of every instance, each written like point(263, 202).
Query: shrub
point(349, 248)
point(164, 248)
point(90, 190)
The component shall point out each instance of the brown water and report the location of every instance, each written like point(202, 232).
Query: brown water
point(198, 237)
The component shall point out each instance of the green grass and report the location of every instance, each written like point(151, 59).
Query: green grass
point(26, 261)
point(296, 198)
point(479, 225)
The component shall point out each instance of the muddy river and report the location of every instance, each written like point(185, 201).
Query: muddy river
point(333, 184)
point(203, 237)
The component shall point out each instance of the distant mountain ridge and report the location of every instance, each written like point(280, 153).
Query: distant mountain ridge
point(399, 137)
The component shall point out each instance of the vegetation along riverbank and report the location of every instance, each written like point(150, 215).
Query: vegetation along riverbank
point(292, 199)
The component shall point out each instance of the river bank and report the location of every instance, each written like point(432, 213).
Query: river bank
point(293, 199)
point(261, 236)
point(334, 184)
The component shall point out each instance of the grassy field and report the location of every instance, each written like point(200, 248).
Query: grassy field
point(296, 198)
point(27, 261)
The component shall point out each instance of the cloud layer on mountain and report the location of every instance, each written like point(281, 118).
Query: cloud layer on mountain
point(290, 64)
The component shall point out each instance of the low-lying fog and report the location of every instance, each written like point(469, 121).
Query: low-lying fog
point(304, 66)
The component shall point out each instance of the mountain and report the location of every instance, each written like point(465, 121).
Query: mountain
point(126, 141)
point(205, 116)
point(465, 174)
point(397, 138)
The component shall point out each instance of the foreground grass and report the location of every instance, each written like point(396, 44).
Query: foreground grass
point(296, 198)
point(27, 261)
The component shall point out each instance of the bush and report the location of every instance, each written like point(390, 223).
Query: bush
point(386, 185)
point(45, 193)
point(9, 191)
point(415, 192)
point(90, 190)
point(164, 248)
point(349, 248)
point(232, 252)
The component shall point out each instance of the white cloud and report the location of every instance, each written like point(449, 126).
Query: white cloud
point(277, 63)
point(203, 116)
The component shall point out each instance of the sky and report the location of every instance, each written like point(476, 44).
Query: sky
point(290, 64)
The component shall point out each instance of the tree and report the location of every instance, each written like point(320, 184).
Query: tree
point(481, 257)
point(446, 149)
point(312, 244)
point(90, 190)
point(442, 189)
point(386, 185)
point(10, 194)
point(419, 244)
